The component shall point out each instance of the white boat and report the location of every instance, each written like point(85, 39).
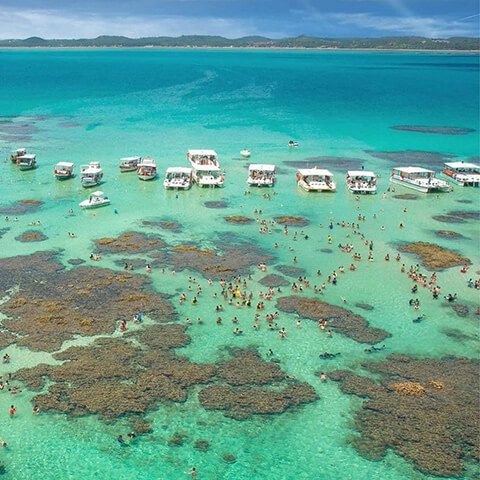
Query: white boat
point(147, 169)
point(95, 200)
point(463, 173)
point(315, 180)
point(245, 153)
point(179, 178)
point(19, 152)
point(293, 143)
point(27, 161)
point(63, 170)
point(129, 164)
point(205, 168)
point(419, 179)
point(361, 181)
point(91, 174)
point(261, 175)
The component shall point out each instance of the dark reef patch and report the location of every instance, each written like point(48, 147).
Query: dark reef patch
point(348, 163)
point(239, 219)
point(326, 250)
point(129, 242)
point(291, 220)
point(20, 207)
point(448, 219)
point(460, 310)
point(412, 157)
point(464, 200)
point(434, 257)
point(273, 280)
point(75, 261)
point(458, 335)
point(365, 306)
point(290, 271)
point(426, 410)
point(406, 196)
point(465, 214)
point(339, 319)
point(448, 234)
point(3, 231)
point(164, 224)
point(31, 236)
point(216, 204)
point(440, 130)
point(133, 263)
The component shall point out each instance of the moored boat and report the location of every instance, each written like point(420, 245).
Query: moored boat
point(245, 153)
point(293, 143)
point(27, 161)
point(205, 168)
point(91, 174)
point(129, 164)
point(261, 175)
point(463, 173)
point(179, 178)
point(361, 181)
point(147, 169)
point(63, 170)
point(19, 152)
point(419, 179)
point(95, 200)
point(315, 180)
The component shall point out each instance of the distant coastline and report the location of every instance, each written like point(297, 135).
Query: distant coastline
point(453, 44)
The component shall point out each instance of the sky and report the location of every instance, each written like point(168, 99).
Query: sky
point(237, 18)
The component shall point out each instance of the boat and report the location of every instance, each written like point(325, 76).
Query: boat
point(418, 178)
point(293, 143)
point(245, 153)
point(91, 174)
point(179, 178)
point(129, 164)
point(361, 181)
point(95, 200)
point(19, 152)
point(463, 173)
point(63, 170)
point(261, 175)
point(205, 168)
point(315, 180)
point(147, 169)
point(27, 161)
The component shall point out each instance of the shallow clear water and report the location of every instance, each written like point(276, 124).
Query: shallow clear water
point(101, 105)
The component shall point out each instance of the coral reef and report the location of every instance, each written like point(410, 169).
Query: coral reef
point(406, 196)
point(201, 444)
point(164, 224)
point(129, 242)
point(240, 219)
point(290, 271)
point(448, 219)
point(20, 207)
point(347, 163)
point(364, 306)
point(415, 157)
point(340, 319)
point(440, 130)
point(448, 234)
point(273, 280)
point(291, 220)
point(31, 236)
point(75, 261)
point(216, 204)
point(434, 257)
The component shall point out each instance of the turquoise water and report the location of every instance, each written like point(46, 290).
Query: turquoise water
point(101, 105)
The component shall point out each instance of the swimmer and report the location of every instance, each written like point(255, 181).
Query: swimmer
point(323, 377)
point(120, 440)
point(36, 410)
point(12, 410)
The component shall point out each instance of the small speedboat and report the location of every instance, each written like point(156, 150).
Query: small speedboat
point(91, 174)
point(293, 143)
point(63, 170)
point(95, 200)
point(27, 161)
point(245, 153)
point(147, 169)
point(129, 164)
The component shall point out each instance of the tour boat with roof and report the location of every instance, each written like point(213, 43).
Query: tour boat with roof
point(27, 161)
point(63, 170)
point(463, 173)
point(205, 168)
point(147, 169)
point(17, 153)
point(129, 164)
point(95, 200)
point(315, 180)
point(361, 181)
point(418, 178)
point(179, 178)
point(261, 175)
point(245, 153)
point(91, 174)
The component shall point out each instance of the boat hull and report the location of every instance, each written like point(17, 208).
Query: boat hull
point(24, 168)
point(419, 188)
point(127, 169)
point(63, 176)
point(147, 177)
point(461, 182)
point(254, 183)
point(90, 206)
point(309, 188)
point(169, 186)
point(362, 191)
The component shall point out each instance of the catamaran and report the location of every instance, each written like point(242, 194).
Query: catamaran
point(361, 181)
point(205, 168)
point(27, 161)
point(129, 164)
point(419, 179)
point(315, 180)
point(147, 169)
point(261, 175)
point(463, 173)
point(91, 174)
point(63, 170)
point(95, 200)
point(179, 178)
point(16, 154)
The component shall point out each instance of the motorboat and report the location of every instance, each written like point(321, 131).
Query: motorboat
point(261, 175)
point(63, 170)
point(463, 173)
point(179, 178)
point(129, 164)
point(293, 143)
point(91, 174)
point(315, 180)
point(19, 152)
point(147, 169)
point(205, 168)
point(27, 161)
point(245, 153)
point(418, 178)
point(95, 200)
point(361, 181)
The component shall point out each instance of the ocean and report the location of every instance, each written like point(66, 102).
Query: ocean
point(103, 104)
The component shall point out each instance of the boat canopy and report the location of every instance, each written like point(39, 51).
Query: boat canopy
point(261, 167)
point(463, 165)
point(361, 173)
point(20, 151)
point(413, 170)
point(98, 193)
point(130, 159)
point(29, 156)
point(179, 170)
point(147, 161)
point(64, 164)
point(305, 172)
point(207, 168)
point(202, 153)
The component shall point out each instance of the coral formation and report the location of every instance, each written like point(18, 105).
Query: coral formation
point(20, 207)
point(290, 271)
point(434, 257)
point(216, 204)
point(273, 280)
point(240, 219)
point(291, 220)
point(31, 236)
point(129, 242)
point(448, 234)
